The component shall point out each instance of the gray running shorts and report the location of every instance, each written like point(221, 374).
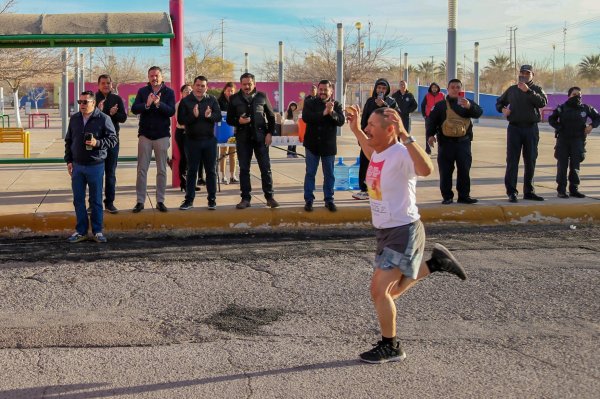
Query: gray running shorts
point(401, 247)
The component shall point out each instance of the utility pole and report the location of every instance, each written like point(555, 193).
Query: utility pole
point(510, 47)
point(280, 65)
point(222, 48)
point(406, 67)
point(476, 75)
point(515, 43)
point(554, 68)
point(369, 49)
point(246, 62)
point(339, 84)
point(565, 46)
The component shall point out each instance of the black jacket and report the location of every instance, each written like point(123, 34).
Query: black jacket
point(110, 101)
point(155, 123)
point(101, 127)
point(200, 127)
point(371, 105)
point(438, 116)
point(524, 107)
point(258, 108)
point(406, 104)
point(570, 122)
point(321, 130)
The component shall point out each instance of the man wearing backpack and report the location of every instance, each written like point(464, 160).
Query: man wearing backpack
point(451, 127)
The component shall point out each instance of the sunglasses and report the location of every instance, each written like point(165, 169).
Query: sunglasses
point(84, 102)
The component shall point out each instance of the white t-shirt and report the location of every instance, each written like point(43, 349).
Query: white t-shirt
point(392, 182)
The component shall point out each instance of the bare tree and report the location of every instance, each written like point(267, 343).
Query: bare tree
point(122, 69)
point(203, 58)
point(7, 5)
point(35, 92)
point(321, 61)
point(20, 65)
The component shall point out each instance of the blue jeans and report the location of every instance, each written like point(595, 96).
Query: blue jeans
point(244, 151)
point(90, 176)
point(201, 152)
point(312, 164)
point(110, 176)
point(521, 139)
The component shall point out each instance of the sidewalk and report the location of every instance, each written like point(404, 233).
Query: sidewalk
point(37, 198)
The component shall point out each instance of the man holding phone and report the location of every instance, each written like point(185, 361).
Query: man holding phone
point(90, 135)
point(251, 114)
point(521, 104)
point(451, 127)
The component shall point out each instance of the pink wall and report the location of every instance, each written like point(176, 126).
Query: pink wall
point(293, 91)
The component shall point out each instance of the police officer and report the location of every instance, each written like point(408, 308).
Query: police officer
point(570, 122)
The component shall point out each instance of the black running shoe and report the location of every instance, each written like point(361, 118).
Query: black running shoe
point(383, 352)
point(442, 260)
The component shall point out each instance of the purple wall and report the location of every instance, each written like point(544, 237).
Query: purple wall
point(293, 91)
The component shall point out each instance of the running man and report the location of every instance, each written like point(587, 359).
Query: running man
point(391, 181)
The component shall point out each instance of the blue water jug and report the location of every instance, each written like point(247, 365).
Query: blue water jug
point(353, 183)
point(224, 131)
point(340, 172)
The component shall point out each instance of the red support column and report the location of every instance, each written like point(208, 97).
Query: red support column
point(177, 73)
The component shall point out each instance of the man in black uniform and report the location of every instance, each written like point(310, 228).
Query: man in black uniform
point(251, 114)
point(406, 104)
point(570, 122)
point(450, 125)
point(521, 104)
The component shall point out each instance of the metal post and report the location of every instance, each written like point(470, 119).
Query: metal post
point(75, 78)
point(476, 76)
point(358, 27)
point(339, 84)
point(553, 68)
point(2, 100)
point(82, 72)
point(451, 60)
point(406, 68)
point(177, 72)
point(246, 63)
point(281, 97)
point(64, 95)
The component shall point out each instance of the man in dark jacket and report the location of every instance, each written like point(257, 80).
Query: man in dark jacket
point(250, 112)
point(199, 112)
point(570, 122)
point(112, 105)
point(379, 99)
point(323, 116)
point(155, 104)
point(406, 104)
point(521, 105)
point(89, 136)
point(451, 127)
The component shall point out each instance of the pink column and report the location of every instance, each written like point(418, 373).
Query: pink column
point(177, 73)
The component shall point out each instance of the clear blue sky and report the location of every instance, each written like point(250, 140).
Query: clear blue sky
point(421, 26)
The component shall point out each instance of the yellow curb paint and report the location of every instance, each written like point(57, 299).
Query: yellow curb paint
point(235, 220)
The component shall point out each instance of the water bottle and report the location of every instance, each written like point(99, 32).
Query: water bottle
point(340, 172)
point(353, 170)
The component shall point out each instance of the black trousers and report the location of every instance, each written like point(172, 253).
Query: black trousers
point(569, 153)
point(244, 151)
point(451, 153)
point(362, 171)
point(180, 140)
point(519, 139)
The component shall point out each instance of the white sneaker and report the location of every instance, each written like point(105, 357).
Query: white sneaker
point(224, 180)
point(361, 195)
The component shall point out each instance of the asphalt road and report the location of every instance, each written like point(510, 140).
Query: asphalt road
point(285, 315)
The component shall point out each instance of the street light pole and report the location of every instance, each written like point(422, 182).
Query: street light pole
point(476, 75)
point(358, 27)
point(339, 84)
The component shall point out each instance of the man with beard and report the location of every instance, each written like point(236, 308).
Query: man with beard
point(570, 122)
point(251, 114)
point(521, 104)
point(323, 116)
point(155, 104)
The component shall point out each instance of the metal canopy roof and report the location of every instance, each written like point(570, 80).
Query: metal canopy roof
point(84, 30)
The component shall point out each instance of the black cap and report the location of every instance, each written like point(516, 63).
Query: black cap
point(526, 68)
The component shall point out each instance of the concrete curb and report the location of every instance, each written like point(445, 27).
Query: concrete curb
point(295, 218)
